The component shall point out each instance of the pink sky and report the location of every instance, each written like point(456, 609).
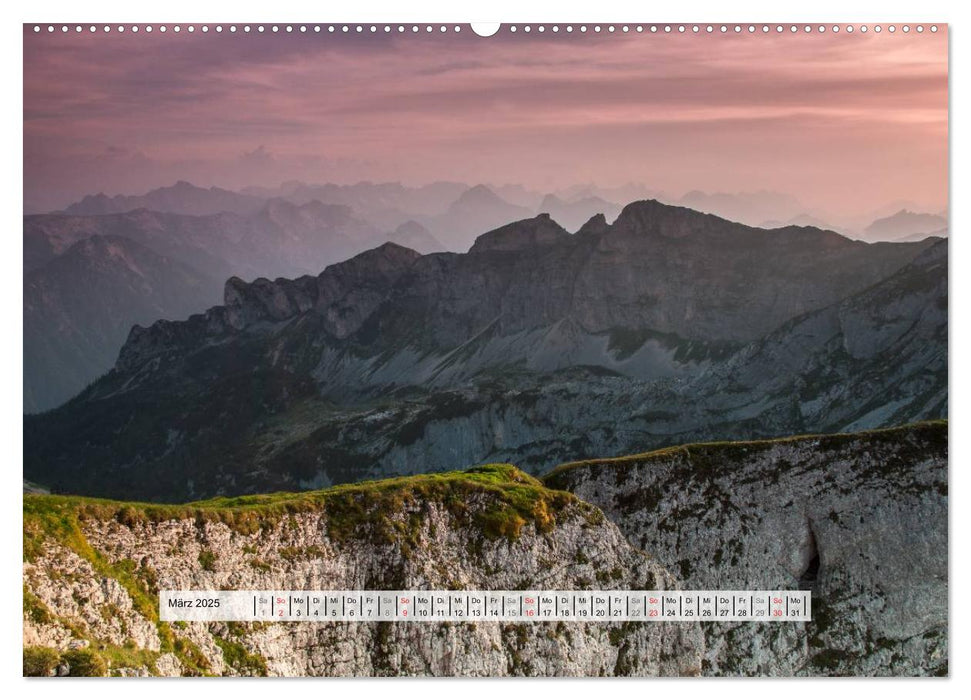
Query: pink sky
point(846, 123)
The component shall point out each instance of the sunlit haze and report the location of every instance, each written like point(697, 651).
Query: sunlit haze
point(844, 123)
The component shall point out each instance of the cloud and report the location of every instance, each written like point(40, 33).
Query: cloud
point(813, 113)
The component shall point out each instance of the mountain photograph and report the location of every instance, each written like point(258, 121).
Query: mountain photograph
point(459, 325)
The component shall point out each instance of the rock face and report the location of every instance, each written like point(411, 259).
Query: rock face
point(861, 520)
point(521, 236)
point(535, 347)
point(877, 358)
point(93, 580)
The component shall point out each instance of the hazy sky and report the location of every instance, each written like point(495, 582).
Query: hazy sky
point(843, 122)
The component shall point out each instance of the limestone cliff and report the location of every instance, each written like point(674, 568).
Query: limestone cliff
point(860, 519)
point(93, 568)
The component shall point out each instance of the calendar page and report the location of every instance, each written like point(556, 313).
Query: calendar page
point(538, 349)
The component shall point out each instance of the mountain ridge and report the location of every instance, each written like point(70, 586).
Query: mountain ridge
point(393, 362)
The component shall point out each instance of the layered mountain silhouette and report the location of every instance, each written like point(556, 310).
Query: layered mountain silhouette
point(278, 239)
point(537, 345)
point(79, 307)
point(907, 225)
point(476, 210)
point(181, 198)
point(572, 214)
point(747, 207)
point(801, 220)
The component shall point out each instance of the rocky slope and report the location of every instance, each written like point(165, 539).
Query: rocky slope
point(859, 519)
point(536, 347)
point(876, 358)
point(93, 568)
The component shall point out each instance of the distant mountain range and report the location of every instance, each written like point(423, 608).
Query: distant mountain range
point(572, 214)
point(907, 225)
point(800, 220)
point(80, 305)
point(537, 345)
point(181, 198)
point(216, 234)
point(750, 208)
point(454, 212)
point(451, 213)
point(80, 301)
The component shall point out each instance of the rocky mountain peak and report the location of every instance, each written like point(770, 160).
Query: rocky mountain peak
point(539, 231)
point(387, 256)
point(280, 299)
point(596, 225)
point(651, 217)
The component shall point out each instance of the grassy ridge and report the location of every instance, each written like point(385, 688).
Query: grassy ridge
point(505, 499)
point(513, 499)
point(934, 431)
point(496, 500)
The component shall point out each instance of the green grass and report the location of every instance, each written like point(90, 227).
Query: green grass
point(59, 518)
point(40, 661)
point(351, 509)
point(128, 656)
point(85, 663)
point(207, 560)
point(35, 608)
point(237, 657)
point(370, 510)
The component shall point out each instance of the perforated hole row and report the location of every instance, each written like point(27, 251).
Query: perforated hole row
point(251, 28)
point(512, 28)
point(724, 28)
